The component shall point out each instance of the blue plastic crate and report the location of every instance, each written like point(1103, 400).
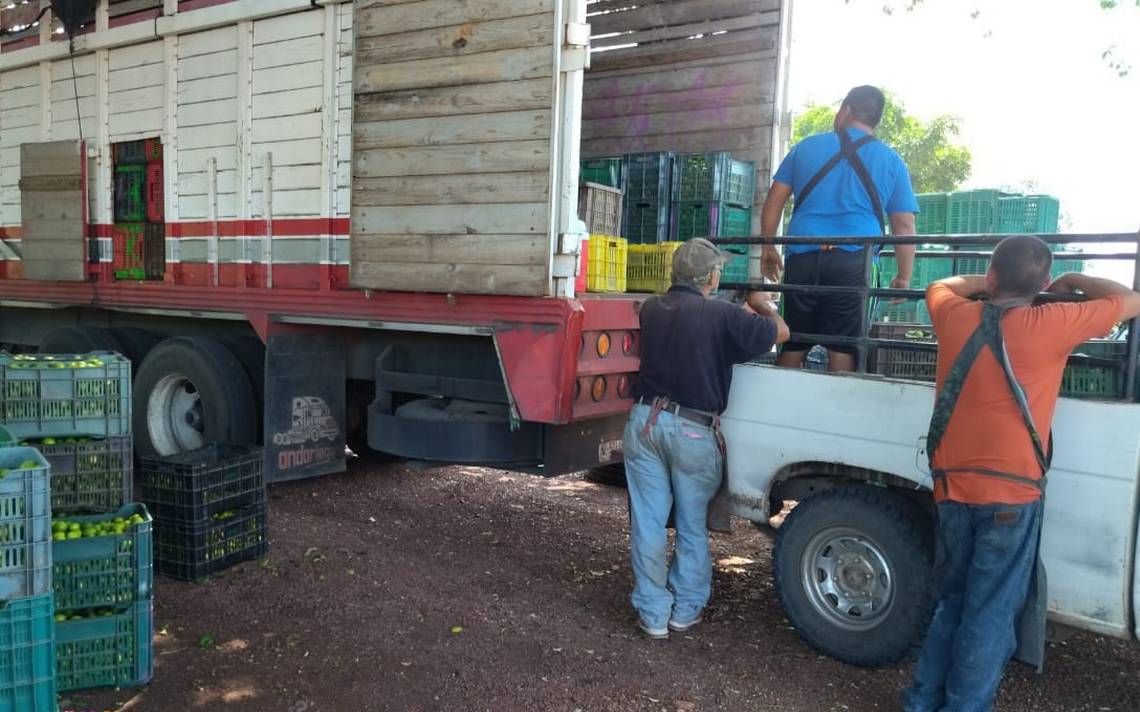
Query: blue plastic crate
point(7, 439)
point(65, 395)
point(648, 177)
point(27, 655)
point(107, 571)
point(25, 524)
point(113, 650)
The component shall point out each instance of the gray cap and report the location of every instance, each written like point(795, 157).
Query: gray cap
point(696, 258)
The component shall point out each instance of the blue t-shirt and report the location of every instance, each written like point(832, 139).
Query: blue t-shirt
point(839, 206)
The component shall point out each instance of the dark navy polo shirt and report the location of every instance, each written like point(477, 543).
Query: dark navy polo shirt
point(689, 344)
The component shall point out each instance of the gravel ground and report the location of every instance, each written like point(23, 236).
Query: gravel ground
point(413, 588)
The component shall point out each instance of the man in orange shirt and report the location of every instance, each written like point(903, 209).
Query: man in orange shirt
point(1000, 364)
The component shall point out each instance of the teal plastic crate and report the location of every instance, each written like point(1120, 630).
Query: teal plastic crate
point(736, 269)
point(109, 571)
point(739, 183)
point(25, 524)
point(714, 177)
point(696, 219)
point(931, 218)
point(1038, 214)
point(926, 270)
point(7, 439)
point(115, 650)
point(604, 171)
point(89, 475)
point(65, 395)
point(734, 221)
point(972, 211)
point(27, 655)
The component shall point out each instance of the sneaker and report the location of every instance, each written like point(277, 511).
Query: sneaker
point(651, 632)
point(682, 626)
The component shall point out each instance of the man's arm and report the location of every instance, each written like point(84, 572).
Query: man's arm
point(1098, 288)
point(902, 225)
point(966, 286)
point(771, 264)
point(760, 304)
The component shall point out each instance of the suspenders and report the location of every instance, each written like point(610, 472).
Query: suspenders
point(988, 334)
point(848, 151)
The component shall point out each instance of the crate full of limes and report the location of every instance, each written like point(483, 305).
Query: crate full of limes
point(103, 581)
point(65, 395)
point(226, 538)
point(25, 523)
point(88, 475)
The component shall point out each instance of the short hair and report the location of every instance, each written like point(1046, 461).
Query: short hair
point(866, 104)
point(1021, 265)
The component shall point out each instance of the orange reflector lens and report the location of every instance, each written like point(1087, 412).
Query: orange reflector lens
point(598, 388)
point(603, 345)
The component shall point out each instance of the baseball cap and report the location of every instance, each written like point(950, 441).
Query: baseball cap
point(696, 258)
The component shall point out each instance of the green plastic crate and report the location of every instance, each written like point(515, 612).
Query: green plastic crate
point(710, 220)
point(931, 218)
point(27, 656)
point(89, 475)
point(44, 396)
point(926, 270)
point(104, 571)
point(736, 270)
point(1038, 214)
point(714, 177)
point(605, 171)
point(25, 524)
point(1093, 381)
point(734, 221)
point(107, 650)
point(972, 211)
point(130, 194)
point(7, 439)
point(646, 222)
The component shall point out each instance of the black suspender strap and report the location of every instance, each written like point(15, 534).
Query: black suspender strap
point(844, 153)
point(987, 335)
point(850, 151)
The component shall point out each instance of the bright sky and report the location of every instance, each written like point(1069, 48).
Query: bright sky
point(1027, 79)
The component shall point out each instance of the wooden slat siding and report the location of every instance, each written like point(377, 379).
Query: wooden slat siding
point(53, 240)
point(19, 123)
point(451, 146)
point(676, 90)
point(207, 122)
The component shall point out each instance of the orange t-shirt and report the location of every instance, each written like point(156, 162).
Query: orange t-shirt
point(987, 429)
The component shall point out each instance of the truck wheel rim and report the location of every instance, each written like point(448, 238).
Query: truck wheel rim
point(174, 416)
point(847, 579)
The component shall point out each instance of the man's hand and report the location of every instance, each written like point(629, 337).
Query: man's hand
point(1065, 284)
point(900, 283)
point(771, 263)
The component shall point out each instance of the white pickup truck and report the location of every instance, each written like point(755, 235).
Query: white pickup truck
point(853, 560)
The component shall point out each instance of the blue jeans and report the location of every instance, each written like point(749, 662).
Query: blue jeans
point(986, 557)
point(676, 466)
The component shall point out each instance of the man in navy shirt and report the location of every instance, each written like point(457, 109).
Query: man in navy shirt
point(672, 451)
point(843, 183)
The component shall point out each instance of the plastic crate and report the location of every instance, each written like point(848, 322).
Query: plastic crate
point(154, 252)
point(736, 269)
point(187, 488)
point(192, 553)
point(40, 400)
point(649, 268)
point(89, 475)
point(970, 265)
point(733, 221)
point(1093, 381)
point(110, 571)
point(604, 171)
point(155, 206)
point(7, 439)
point(27, 654)
point(128, 245)
point(931, 218)
point(900, 363)
point(1061, 267)
point(1028, 214)
point(645, 223)
point(972, 211)
point(608, 259)
point(599, 207)
point(152, 150)
point(25, 524)
point(130, 153)
point(710, 220)
point(648, 177)
point(739, 183)
point(926, 270)
point(714, 177)
point(114, 650)
point(130, 194)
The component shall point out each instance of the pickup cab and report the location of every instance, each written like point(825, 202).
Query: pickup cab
point(853, 559)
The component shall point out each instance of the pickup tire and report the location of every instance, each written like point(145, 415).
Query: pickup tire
point(852, 567)
point(190, 392)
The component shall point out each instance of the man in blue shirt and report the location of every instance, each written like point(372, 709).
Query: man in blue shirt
point(843, 183)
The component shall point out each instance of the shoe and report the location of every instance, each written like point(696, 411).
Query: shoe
point(652, 632)
point(682, 626)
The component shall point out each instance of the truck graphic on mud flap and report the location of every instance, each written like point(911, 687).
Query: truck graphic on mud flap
point(312, 421)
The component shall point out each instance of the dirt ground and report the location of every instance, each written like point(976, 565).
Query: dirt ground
point(412, 588)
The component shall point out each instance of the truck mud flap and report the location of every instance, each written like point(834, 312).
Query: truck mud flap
point(304, 406)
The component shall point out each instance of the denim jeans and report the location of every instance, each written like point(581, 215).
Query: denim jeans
point(676, 466)
point(986, 557)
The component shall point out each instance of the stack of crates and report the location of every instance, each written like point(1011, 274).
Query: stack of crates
point(209, 509)
point(138, 237)
point(647, 185)
point(712, 197)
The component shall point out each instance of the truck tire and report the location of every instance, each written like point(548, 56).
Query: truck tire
point(852, 567)
point(79, 340)
point(136, 343)
point(251, 353)
point(190, 392)
point(612, 475)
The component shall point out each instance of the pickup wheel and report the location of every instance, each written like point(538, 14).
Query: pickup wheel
point(190, 392)
point(852, 568)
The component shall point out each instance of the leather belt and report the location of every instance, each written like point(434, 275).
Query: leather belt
point(699, 417)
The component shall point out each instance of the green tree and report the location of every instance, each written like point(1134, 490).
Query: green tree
point(936, 162)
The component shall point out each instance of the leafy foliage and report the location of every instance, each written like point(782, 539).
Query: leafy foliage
point(936, 162)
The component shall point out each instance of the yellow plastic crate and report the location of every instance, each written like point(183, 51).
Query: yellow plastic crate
point(651, 267)
point(606, 267)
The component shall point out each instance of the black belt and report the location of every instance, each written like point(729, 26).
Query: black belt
point(699, 417)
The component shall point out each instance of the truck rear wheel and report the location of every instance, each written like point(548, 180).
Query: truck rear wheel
point(79, 340)
point(136, 343)
point(190, 392)
point(852, 568)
